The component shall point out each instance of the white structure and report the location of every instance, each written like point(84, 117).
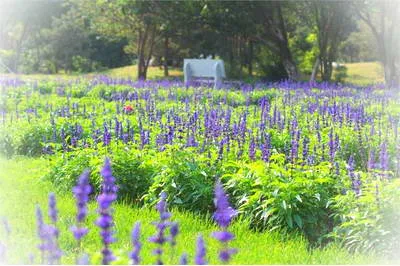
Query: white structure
point(204, 68)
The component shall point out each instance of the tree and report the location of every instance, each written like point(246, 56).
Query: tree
point(137, 21)
point(20, 22)
point(274, 32)
point(383, 19)
point(334, 24)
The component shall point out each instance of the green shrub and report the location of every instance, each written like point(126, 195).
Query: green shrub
point(371, 221)
point(278, 197)
point(187, 177)
point(7, 145)
point(340, 73)
point(130, 168)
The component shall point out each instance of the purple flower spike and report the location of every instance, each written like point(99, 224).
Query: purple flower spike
point(223, 216)
point(225, 255)
point(81, 192)
point(83, 260)
point(159, 238)
point(134, 255)
point(105, 221)
point(48, 240)
point(79, 232)
point(174, 230)
point(224, 213)
point(200, 258)
point(223, 236)
point(183, 260)
point(53, 208)
point(40, 226)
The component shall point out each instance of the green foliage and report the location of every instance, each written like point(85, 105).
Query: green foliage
point(27, 139)
point(20, 191)
point(370, 222)
point(290, 198)
point(340, 73)
point(188, 179)
point(132, 172)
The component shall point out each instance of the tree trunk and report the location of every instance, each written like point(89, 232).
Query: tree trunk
point(142, 41)
point(166, 44)
point(288, 62)
point(250, 58)
point(314, 70)
point(326, 72)
point(392, 78)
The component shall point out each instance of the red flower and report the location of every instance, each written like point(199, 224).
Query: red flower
point(128, 109)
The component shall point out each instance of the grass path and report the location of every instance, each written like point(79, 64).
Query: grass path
point(21, 188)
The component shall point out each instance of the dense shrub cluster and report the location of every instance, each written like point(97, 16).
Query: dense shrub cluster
point(316, 158)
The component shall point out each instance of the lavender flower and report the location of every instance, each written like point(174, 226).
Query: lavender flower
point(105, 221)
point(252, 149)
point(81, 192)
point(174, 230)
point(306, 141)
point(159, 238)
point(134, 255)
point(356, 184)
point(40, 230)
point(224, 212)
point(48, 240)
point(83, 260)
point(371, 158)
point(332, 146)
point(384, 160)
point(200, 258)
point(106, 136)
point(183, 260)
point(223, 216)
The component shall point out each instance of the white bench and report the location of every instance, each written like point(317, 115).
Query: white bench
point(204, 68)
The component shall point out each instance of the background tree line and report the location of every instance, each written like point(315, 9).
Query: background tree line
point(272, 39)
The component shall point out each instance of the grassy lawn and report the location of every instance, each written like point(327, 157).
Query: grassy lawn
point(154, 72)
point(364, 73)
point(21, 189)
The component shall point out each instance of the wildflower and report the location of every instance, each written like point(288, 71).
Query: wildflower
point(384, 160)
point(48, 239)
point(371, 162)
point(252, 149)
point(128, 109)
point(106, 137)
point(183, 260)
point(134, 255)
point(223, 216)
point(105, 221)
point(174, 230)
point(83, 260)
point(224, 213)
point(81, 193)
point(159, 238)
point(200, 258)
point(332, 146)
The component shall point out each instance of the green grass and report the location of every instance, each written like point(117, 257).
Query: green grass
point(21, 189)
point(153, 72)
point(364, 73)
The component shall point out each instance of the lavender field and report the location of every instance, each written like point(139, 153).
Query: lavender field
point(317, 163)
